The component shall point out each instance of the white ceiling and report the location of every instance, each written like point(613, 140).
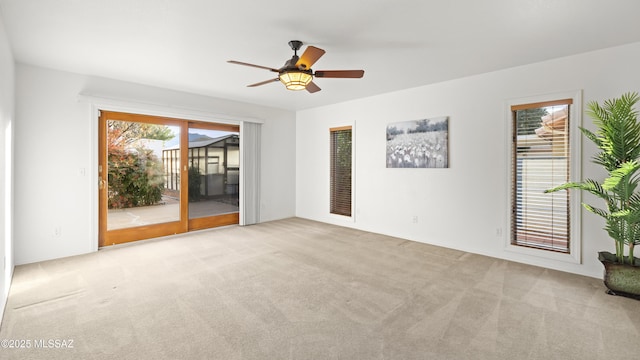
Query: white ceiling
point(184, 44)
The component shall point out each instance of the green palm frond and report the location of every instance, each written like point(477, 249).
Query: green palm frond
point(602, 158)
point(634, 200)
point(618, 133)
point(615, 230)
point(633, 217)
point(622, 179)
point(591, 136)
point(605, 214)
point(588, 185)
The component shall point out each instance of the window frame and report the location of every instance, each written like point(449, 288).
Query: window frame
point(332, 130)
point(575, 173)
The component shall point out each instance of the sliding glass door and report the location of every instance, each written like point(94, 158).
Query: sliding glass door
point(161, 176)
point(214, 175)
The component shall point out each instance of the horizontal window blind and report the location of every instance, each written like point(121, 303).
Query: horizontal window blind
point(540, 161)
point(340, 170)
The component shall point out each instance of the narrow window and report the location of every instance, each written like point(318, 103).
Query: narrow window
point(341, 170)
point(540, 155)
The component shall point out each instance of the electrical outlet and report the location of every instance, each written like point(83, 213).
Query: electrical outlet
point(415, 219)
point(498, 232)
point(57, 232)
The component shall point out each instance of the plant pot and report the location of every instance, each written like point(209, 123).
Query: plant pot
point(620, 279)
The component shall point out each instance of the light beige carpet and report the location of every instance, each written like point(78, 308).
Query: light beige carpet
point(297, 289)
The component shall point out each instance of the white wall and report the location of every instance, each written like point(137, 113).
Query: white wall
point(463, 206)
point(7, 73)
point(55, 140)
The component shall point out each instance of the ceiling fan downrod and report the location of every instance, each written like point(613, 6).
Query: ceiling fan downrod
point(295, 46)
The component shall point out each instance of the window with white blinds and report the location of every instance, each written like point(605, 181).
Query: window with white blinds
point(340, 170)
point(540, 156)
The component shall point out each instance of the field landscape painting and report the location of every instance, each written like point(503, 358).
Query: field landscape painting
point(418, 143)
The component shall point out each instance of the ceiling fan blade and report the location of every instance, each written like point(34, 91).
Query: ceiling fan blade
point(312, 87)
point(310, 55)
point(252, 65)
point(263, 82)
point(339, 73)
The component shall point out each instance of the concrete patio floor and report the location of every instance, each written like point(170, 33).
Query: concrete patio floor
point(168, 211)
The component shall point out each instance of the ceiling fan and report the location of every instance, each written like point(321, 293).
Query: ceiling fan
point(296, 74)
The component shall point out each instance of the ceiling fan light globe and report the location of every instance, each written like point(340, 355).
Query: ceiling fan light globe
point(295, 80)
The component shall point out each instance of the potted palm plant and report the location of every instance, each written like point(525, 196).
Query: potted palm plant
point(618, 139)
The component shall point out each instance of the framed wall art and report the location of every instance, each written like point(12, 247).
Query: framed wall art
point(418, 143)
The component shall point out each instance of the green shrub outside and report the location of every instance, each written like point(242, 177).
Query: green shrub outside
point(135, 179)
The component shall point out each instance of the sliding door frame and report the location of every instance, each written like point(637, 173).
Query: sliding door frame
point(118, 236)
point(218, 220)
point(184, 224)
point(96, 103)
